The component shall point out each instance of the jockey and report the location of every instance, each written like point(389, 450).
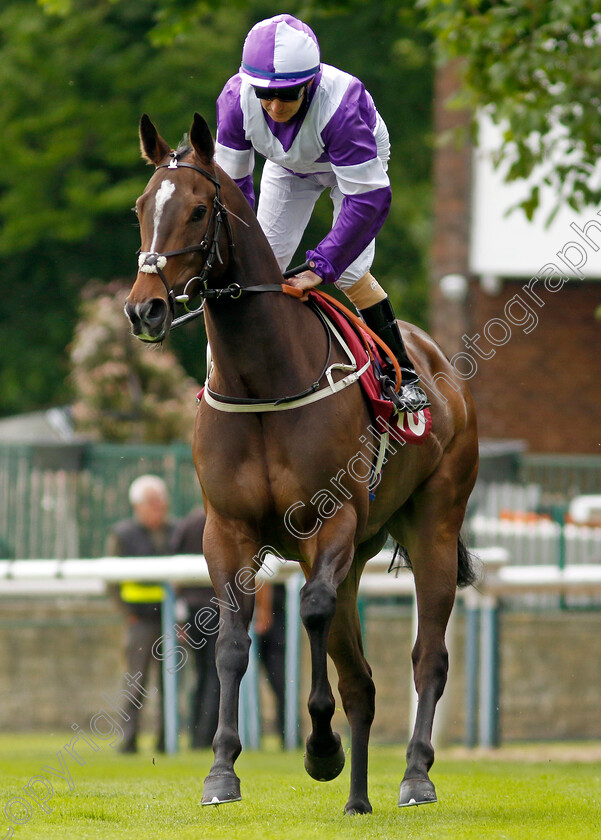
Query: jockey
point(318, 129)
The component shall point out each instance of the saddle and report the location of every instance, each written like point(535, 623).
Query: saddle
point(361, 341)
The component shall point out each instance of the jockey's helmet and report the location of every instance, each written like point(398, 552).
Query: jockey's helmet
point(280, 52)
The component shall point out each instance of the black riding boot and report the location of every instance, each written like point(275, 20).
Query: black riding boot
point(380, 318)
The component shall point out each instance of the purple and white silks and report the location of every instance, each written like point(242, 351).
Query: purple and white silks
point(337, 133)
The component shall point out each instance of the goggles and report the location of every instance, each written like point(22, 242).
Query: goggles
point(289, 94)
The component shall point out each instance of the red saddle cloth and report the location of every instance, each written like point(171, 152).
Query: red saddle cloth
point(403, 427)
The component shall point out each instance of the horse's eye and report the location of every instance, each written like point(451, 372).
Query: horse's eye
point(134, 210)
point(198, 213)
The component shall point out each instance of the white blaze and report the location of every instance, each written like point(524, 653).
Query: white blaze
point(164, 193)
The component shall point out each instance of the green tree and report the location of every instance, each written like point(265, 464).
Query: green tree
point(535, 69)
point(74, 87)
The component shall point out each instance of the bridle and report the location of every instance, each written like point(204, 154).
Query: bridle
point(153, 262)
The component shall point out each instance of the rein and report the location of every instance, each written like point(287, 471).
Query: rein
point(154, 263)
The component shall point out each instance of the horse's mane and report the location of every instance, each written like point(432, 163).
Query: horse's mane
point(183, 147)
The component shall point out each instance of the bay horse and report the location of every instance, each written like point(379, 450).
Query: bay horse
point(199, 234)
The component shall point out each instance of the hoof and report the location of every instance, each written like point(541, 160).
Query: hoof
point(221, 789)
point(325, 768)
point(416, 792)
point(357, 807)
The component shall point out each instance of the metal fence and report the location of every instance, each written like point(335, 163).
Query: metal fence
point(561, 477)
point(526, 516)
point(541, 542)
point(59, 501)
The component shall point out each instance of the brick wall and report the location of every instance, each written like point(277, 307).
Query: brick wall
point(549, 681)
point(451, 176)
point(546, 692)
point(543, 386)
point(57, 657)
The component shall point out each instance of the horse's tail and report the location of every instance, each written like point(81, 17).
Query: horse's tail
point(467, 572)
point(467, 567)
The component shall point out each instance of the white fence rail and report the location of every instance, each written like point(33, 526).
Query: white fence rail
point(528, 543)
point(500, 579)
point(538, 541)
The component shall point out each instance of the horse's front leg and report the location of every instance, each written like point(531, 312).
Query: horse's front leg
point(236, 602)
point(324, 756)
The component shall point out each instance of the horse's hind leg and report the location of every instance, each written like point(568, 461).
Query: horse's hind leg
point(356, 688)
point(435, 570)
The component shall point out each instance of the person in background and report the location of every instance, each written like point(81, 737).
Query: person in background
point(148, 533)
point(204, 705)
point(318, 128)
point(270, 632)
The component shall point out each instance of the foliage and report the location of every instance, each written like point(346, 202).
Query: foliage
point(70, 120)
point(76, 76)
point(535, 68)
point(74, 87)
point(125, 391)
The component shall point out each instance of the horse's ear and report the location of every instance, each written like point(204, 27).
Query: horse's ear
point(202, 139)
point(152, 145)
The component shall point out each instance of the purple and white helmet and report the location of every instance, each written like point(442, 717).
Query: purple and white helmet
point(280, 52)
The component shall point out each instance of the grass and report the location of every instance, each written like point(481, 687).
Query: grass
point(535, 794)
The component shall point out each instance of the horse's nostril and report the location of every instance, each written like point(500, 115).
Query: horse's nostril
point(154, 311)
point(147, 318)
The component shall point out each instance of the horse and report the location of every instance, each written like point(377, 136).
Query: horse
point(266, 450)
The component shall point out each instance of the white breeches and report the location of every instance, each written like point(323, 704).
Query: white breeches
point(285, 206)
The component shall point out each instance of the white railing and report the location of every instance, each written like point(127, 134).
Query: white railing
point(527, 542)
point(500, 579)
point(90, 577)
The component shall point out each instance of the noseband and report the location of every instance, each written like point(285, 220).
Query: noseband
point(154, 262)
